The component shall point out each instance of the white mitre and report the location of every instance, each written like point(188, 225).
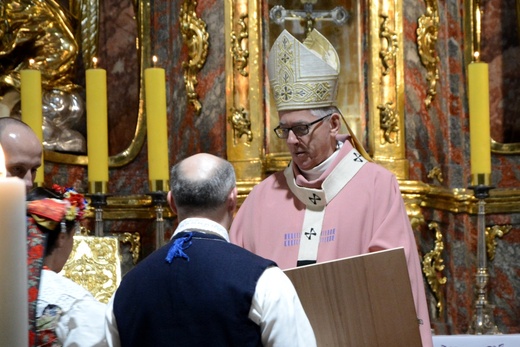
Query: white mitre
point(303, 75)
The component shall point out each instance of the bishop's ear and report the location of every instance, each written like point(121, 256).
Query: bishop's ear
point(335, 123)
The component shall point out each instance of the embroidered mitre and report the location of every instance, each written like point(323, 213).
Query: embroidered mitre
point(303, 75)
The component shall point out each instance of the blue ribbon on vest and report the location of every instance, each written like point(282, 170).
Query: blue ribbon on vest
point(178, 247)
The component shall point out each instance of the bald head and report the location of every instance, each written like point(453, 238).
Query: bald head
point(22, 149)
point(201, 185)
point(201, 167)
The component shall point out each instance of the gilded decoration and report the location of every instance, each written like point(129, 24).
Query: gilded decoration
point(436, 174)
point(89, 32)
point(389, 123)
point(427, 35)
point(386, 87)
point(491, 234)
point(244, 96)
point(196, 39)
point(238, 116)
point(241, 124)
point(433, 266)
point(239, 44)
point(134, 239)
point(95, 262)
point(60, 35)
point(308, 16)
point(389, 48)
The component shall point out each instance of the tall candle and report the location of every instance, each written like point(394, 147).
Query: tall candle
point(479, 123)
point(97, 129)
point(157, 128)
point(14, 306)
point(32, 115)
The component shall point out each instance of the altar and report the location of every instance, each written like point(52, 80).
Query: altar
point(509, 340)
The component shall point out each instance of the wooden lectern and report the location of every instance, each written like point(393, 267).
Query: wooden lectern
point(361, 301)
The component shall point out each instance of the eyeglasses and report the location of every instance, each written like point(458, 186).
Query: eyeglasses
point(298, 130)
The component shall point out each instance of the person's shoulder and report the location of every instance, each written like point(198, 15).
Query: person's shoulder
point(63, 291)
point(246, 253)
point(377, 169)
point(274, 180)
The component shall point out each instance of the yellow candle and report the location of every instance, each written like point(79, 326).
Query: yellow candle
point(97, 129)
point(479, 123)
point(157, 127)
point(14, 320)
point(32, 115)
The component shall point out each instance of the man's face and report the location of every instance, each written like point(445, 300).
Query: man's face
point(308, 151)
point(23, 151)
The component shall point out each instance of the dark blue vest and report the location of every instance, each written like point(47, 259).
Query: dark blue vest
point(203, 301)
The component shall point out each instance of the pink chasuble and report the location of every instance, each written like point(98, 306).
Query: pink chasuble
point(366, 215)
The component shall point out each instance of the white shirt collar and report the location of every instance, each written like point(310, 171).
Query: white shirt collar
point(316, 171)
point(202, 225)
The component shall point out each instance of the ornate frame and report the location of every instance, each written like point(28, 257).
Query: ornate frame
point(144, 59)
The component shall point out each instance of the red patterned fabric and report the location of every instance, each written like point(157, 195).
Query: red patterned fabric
point(36, 251)
point(47, 208)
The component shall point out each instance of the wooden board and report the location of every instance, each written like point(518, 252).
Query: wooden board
point(358, 301)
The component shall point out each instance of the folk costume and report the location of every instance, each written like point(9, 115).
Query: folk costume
point(201, 290)
point(347, 206)
point(61, 312)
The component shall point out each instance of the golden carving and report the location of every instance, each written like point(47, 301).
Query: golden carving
point(505, 148)
point(433, 266)
point(427, 34)
point(245, 93)
point(89, 37)
point(436, 173)
point(385, 81)
point(195, 37)
point(388, 50)
point(135, 244)
point(88, 13)
point(491, 234)
point(95, 264)
point(241, 124)
point(239, 46)
point(389, 123)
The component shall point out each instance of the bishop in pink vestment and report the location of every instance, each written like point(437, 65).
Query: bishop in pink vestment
point(332, 201)
point(367, 215)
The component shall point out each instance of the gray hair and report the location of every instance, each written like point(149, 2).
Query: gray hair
point(324, 111)
point(193, 195)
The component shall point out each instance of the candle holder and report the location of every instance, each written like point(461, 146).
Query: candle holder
point(98, 200)
point(159, 201)
point(483, 322)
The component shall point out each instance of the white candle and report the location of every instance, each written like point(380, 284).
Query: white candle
point(14, 306)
